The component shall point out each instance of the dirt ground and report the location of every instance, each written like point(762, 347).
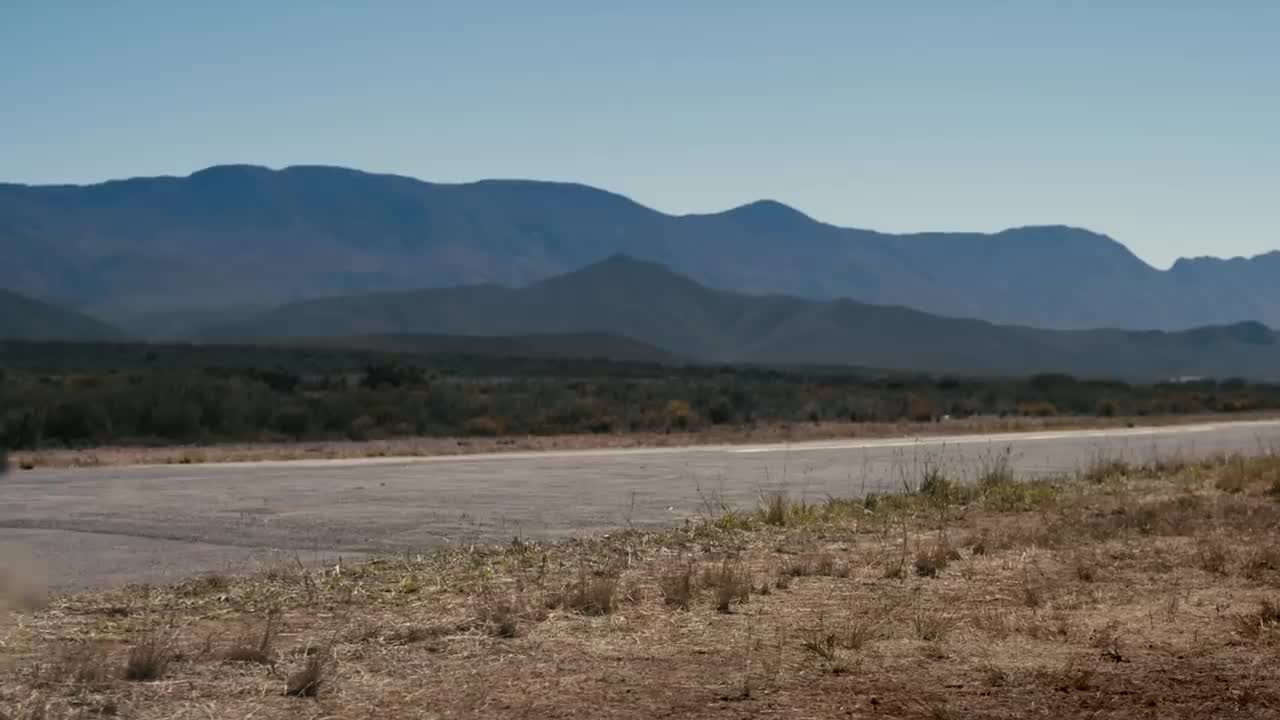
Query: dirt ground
point(1121, 591)
point(714, 435)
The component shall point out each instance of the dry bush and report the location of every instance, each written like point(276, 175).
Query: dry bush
point(255, 647)
point(993, 622)
point(308, 679)
point(800, 566)
point(1103, 468)
point(1212, 556)
point(932, 560)
point(1234, 476)
point(1253, 625)
point(1108, 641)
point(678, 587)
point(822, 644)
point(931, 625)
point(859, 629)
point(732, 584)
point(590, 594)
point(775, 509)
point(1085, 567)
point(1034, 594)
point(500, 617)
point(1261, 562)
point(81, 665)
point(149, 658)
point(413, 634)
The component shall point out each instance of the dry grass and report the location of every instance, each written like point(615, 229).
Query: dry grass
point(1129, 592)
point(715, 435)
point(255, 645)
point(149, 657)
point(307, 680)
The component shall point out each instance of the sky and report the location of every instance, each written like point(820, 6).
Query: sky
point(1157, 123)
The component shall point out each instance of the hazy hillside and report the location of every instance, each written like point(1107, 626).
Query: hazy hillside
point(653, 305)
point(244, 236)
point(24, 318)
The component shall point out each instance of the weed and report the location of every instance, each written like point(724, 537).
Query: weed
point(1234, 476)
point(1085, 567)
point(821, 643)
point(1103, 468)
point(307, 680)
point(1212, 556)
point(501, 617)
point(931, 626)
point(591, 594)
point(1261, 562)
point(1107, 639)
point(81, 665)
point(933, 560)
point(775, 510)
point(732, 583)
point(678, 587)
point(255, 647)
point(149, 658)
point(1033, 594)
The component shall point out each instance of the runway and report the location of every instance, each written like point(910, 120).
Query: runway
point(98, 527)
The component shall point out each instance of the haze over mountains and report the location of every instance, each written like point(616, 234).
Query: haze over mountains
point(23, 318)
point(229, 240)
point(653, 305)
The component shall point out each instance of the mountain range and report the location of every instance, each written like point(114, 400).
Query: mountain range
point(649, 303)
point(24, 318)
point(162, 255)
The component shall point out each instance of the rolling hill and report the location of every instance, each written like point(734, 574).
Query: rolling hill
point(653, 305)
point(244, 236)
point(24, 318)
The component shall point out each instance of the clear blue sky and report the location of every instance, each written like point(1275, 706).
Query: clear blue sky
point(1155, 122)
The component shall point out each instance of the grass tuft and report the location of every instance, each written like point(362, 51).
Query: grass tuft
point(148, 659)
point(678, 588)
point(307, 681)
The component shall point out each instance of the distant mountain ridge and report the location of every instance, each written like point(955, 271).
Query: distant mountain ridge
point(246, 236)
point(24, 318)
point(650, 304)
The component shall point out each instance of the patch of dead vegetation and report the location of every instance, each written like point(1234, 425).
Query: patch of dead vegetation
point(1125, 591)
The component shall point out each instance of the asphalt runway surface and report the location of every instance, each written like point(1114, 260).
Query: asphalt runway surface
point(100, 527)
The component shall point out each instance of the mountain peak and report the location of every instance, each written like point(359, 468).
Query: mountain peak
point(768, 214)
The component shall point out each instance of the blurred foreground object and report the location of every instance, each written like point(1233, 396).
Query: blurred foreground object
point(22, 584)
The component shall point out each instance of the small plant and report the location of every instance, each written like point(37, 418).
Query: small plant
point(678, 587)
point(1253, 625)
point(253, 647)
point(1234, 476)
point(859, 630)
point(775, 509)
point(931, 561)
point(801, 566)
point(1103, 469)
point(1212, 557)
point(1107, 639)
point(149, 658)
point(81, 665)
point(1086, 568)
point(591, 594)
point(1261, 562)
point(931, 626)
point(1033, 594)
point(732, 584)
point(821, 644)
point(501, 618)
point(307, 680)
